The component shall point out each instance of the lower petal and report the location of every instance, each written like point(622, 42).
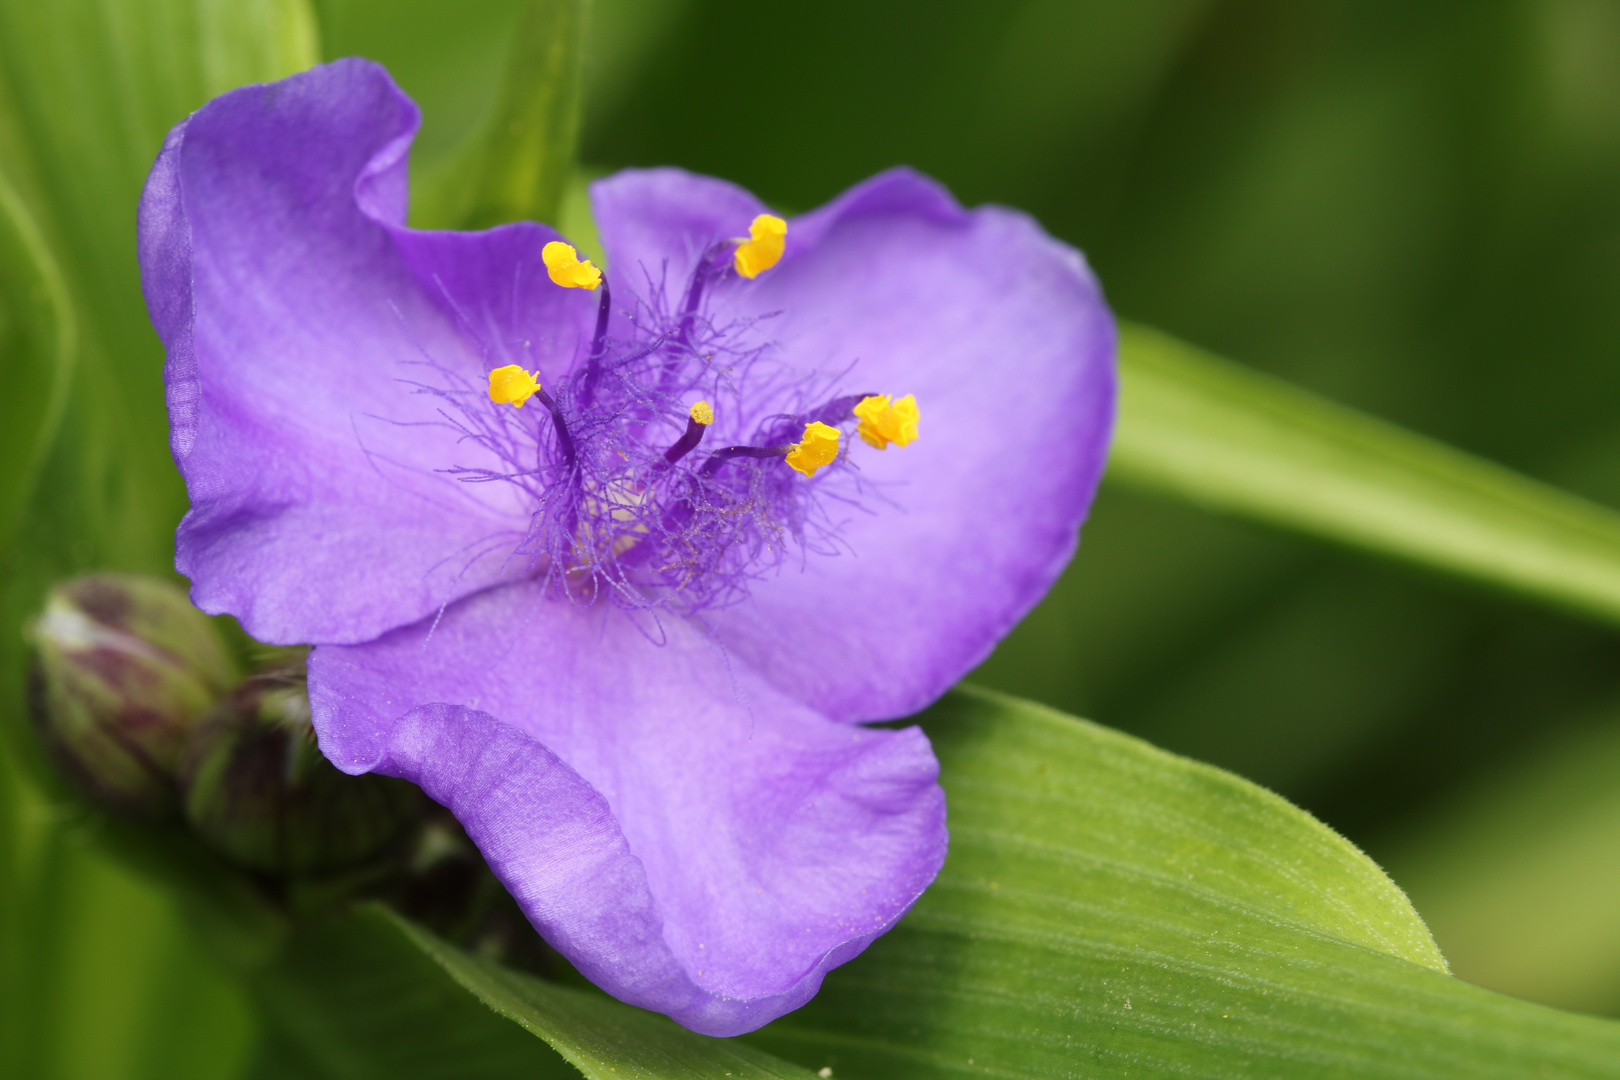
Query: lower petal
point(691, 839)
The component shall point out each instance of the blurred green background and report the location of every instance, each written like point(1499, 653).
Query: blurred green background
point(1410, 208)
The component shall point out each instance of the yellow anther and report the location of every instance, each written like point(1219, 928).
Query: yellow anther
point(884, 421)
point(702, 413)
point(818, 447)
point(566, 269)
point(511, 385)
point(763, 248)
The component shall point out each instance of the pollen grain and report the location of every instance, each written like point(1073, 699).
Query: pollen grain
point(566, 268)
point(511, 385)
point(767, 237)
point(884, 421)
point(818, 447)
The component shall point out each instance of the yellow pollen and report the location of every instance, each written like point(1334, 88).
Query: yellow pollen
point(511, 385)
point(884, 421)
point(818, 447)
point(702, 413)
point(566, 269)
point(763, 248)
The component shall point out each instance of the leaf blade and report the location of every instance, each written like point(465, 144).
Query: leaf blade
point(517, 166)
point(1198, 428)
point(1090, 940)
point(352, 999)
point(38, 351)
point(593, 1031)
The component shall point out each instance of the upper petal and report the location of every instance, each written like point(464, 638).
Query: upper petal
point(1002, 335)
point(719, 848)
point(302, 323)
point(655, 224)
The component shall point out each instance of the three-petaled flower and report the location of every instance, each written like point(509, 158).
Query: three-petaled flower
point(593, 555)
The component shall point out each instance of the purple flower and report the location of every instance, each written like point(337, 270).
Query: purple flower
point(609, 605)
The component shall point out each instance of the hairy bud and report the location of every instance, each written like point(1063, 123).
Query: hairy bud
point(123, 668)
point(257, 788)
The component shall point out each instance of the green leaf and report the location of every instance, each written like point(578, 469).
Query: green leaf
point(605, 1039)
point(38, 345)
point(1108, 909)
point(353, 999)
point(517, 166)
point(1199, 428)
point(373, 995)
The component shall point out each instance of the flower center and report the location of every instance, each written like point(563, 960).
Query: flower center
point(674, 465)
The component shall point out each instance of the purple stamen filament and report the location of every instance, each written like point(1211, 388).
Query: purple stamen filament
point(593, 363)
point(720, 457)
point(686, 443)
point(565, 441)
point(694, 292)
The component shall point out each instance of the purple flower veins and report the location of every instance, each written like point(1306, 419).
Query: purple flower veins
point(619, 563)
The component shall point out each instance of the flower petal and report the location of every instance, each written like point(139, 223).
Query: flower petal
point(692, 840)
point(301, 320)
point(1002, 334)
point(654, 224)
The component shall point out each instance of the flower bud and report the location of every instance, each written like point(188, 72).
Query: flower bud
point(123, 668)
point(258, 789)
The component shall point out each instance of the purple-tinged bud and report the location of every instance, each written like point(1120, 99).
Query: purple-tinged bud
point(123, 668)
point(258, 790)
